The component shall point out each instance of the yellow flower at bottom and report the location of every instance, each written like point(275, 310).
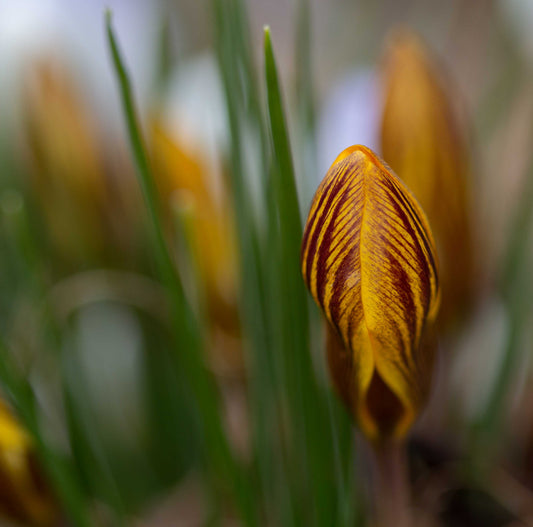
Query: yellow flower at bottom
point(23, 494)
point(368, 259)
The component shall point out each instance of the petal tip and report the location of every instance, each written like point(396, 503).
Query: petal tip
point(354, 150)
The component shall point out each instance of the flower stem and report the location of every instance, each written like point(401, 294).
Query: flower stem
point(391, 485)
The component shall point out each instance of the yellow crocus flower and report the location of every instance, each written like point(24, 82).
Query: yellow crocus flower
point(422, 141)
point(67, 176)
point(368, 259)
point(23, 495)
point(183, 175)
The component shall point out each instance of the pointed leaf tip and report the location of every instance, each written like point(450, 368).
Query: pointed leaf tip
point(108, 16)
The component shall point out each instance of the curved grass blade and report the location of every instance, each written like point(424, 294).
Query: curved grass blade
point(186, 330)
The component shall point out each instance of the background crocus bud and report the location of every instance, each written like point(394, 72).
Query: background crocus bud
point(368, 259)
point(183, 177)
point(422, 141)
point(66, 175)
point(79, 174)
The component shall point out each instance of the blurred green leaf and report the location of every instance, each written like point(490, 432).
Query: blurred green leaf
point(242, 124)
point(186, 330)
point(305, 100)
point(312, 451)
point(64, 479)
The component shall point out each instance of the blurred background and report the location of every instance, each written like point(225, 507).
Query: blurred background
point(103, 420)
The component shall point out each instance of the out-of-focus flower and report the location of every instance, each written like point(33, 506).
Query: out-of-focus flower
point(368, 259)
point(84, 188)
point(422, 141)
point(184, 180)
point(23, 494)
point(67, 179)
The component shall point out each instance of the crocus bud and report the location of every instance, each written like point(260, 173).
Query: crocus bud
point(422, 141)
point(368, 259)
point(66, 173)
point(184, 178)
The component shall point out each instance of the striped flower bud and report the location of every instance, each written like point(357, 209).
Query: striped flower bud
point(422, 141)
point(368, 259)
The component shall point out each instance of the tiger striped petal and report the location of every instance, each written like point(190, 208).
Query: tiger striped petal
point(368, 259)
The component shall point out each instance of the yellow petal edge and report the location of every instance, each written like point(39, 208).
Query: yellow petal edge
point(369, 261)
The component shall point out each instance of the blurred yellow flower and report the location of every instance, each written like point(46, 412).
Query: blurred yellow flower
point(23, 495)
point(368, 259)
point(66, 169)
point(183, 180)
point(85, 192)
point(422, 141)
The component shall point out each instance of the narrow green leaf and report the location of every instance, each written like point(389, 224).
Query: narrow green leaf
point(146, 181)
point(253, 301)
point(304, 97)
point(186, 331)
point(312, 448)
point(67, 486)
point(304, 70)
point(285, 182)
point(165, 64)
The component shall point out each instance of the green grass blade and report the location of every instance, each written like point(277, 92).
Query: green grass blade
point(244, 47)
point(189, 341)
point(308, 405)
point(146, 180)
point(67, 486)
point(285, 181)
point(165, 63)
point(305, 99)
point(304, 69)
point(263, 397)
